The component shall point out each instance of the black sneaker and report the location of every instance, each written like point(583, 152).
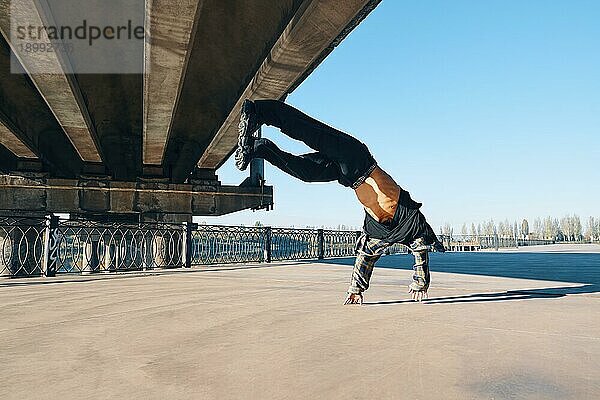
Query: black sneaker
point(248, 124)
point(246, 128)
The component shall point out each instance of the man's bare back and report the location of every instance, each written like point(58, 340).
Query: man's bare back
point(379, 195)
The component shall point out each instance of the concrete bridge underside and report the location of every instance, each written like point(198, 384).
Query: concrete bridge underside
point(150, 143)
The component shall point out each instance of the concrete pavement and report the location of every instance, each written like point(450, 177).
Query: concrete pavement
point(280, 332)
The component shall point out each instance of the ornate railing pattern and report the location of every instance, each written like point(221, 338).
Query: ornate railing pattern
point(31, 246)
point(83, 246)
point(211, 244)
point(22, 245)
point(47, 246)
point(294, 244)
point(339, 243)
point(480, 242)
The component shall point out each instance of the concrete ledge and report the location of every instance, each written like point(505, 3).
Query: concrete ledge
point(105, 196)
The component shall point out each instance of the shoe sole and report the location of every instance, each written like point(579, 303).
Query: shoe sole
point(244, 134)
point(244, 139)
point(241, 159)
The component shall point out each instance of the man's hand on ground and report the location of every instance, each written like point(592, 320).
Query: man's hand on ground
point(418, 295)
point(354, 298)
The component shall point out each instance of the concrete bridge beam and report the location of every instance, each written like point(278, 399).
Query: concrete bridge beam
point(105, 197)
point(27, 116)
point(13, 144)
point(310, 36)
point(133, 144)
point(230, 42)
point(48, 70)
point(171, 27)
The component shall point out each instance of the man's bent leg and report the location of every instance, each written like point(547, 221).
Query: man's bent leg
point(297, 125)
point(312, 167)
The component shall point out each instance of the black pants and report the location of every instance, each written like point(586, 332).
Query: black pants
point(338, 156)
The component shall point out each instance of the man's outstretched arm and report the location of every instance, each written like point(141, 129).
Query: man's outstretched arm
point(368, 252)
point(421, 276)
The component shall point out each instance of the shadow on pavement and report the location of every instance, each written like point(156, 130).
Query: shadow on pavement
point(581, 268)
point(545, 293)
point(578, 268)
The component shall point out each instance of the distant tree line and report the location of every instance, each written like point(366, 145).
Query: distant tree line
point(566, 229)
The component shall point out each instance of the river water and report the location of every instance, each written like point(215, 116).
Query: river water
point(563, 267)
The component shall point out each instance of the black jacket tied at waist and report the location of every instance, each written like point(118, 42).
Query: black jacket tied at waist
point(407, 225)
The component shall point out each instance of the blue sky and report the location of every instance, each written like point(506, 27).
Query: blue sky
point(481, 109)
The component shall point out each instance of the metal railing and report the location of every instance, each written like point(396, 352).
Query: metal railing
point(47, 246)
point(213, 244)
point(483, 242)
point(22, 245)
point(83, 246)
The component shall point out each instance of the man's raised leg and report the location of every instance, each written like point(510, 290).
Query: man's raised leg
point(321, 137)
point(311, 167)
point(352, 156)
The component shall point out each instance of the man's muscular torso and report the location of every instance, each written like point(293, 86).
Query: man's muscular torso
point(379, 195)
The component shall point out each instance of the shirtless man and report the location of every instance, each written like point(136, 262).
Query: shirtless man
point(391, 215)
